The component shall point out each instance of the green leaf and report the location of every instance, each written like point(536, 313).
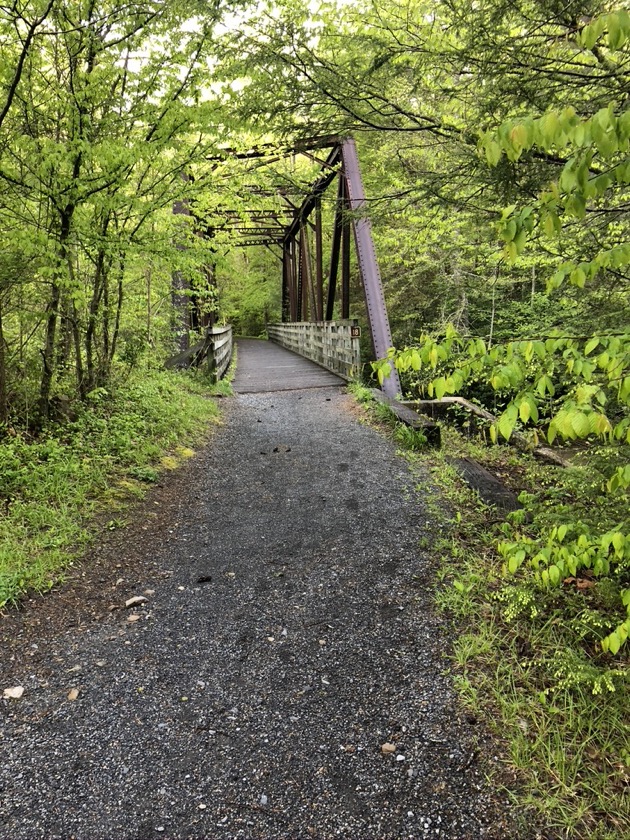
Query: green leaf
point(521, 240)
point(578, 278)
point(524, 410)
point(505, 426)
point(591, 345)
point(614, 643)
point(493, 152)
point(616, 37)
point(568, 178)
point(618, 542)
point(440, 387)
point(580, 424)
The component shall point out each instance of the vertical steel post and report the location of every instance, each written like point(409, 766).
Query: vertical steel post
point(293, 286)
point(319, 261)
point(308, 276)
point(345, 255)
point(370, 274)
point(334, 253)
point(286, 273)
point(300, 275)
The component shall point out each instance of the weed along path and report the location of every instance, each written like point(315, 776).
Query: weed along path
point(280, 673)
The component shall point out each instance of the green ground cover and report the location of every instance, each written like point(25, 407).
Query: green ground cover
point(527, 659)
point(55, 485)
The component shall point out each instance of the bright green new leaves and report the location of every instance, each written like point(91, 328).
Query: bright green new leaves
point(611, 30)
point(95, 146)
point(591, 152)
point(606, 132)
point(570, 553)
point(533, 371)
point(563, 388)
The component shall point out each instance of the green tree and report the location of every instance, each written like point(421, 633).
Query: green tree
point(101, 119)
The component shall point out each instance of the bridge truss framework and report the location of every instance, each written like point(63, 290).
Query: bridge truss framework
point(309, 288)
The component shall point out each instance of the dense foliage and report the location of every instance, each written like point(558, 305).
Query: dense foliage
point(494, 137)
point(100, 124)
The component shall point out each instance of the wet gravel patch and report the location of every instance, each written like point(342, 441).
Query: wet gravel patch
point(286, 636)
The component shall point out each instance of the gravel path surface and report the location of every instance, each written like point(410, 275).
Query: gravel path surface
point(287, 635)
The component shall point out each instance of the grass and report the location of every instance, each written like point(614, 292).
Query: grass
point(381, 413)
point(527, 660)
point(55, 485)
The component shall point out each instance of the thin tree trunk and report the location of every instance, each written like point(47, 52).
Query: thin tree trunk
point(48, 353)
point(95, 302)
point(4, 408)
point(78, 358)
point(64, 342)
point(52, 319)
point(119, 304)
point(148, 278)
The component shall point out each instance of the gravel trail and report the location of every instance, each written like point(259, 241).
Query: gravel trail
point(286, 636)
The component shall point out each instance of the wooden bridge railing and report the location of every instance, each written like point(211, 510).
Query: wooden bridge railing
point(215, 348)
point(332, 344)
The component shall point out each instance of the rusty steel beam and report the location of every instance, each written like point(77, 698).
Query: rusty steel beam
point(345, 253)
point(368, 265)
point(251, 243)
point(257, 231)
point(264, 150)
point(286, 279)
point(308, 263)
point(335, 251)
point(295, 285)
point(320, 186)
point(319, 260)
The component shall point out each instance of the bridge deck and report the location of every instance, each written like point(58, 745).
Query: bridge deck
point(264, 366)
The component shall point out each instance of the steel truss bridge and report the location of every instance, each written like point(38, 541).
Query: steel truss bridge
point(311, 290)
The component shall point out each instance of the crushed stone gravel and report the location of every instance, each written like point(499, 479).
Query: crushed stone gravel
point(287, 636)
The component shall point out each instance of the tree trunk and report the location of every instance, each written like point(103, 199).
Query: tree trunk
point(4, 408)
point(109, 350)
point(119, 304)
point(148, 275)
point(64, 342)
point(76, 335)
point(48, 353)
point(95, 302)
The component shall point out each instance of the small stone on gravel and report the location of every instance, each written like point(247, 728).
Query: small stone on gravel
point(133, 602)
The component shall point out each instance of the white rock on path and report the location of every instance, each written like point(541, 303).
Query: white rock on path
point(13, 693)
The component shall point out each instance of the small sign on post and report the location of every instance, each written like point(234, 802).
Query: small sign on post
point(355, 332)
